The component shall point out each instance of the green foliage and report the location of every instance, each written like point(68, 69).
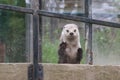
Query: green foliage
point(12, 32)
point(82, 41)
point(50, 54)
point(50, 50)
point(13, 2)
point(107, 41)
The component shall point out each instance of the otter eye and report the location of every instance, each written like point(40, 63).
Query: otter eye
point(75, 30)
point(67, 30)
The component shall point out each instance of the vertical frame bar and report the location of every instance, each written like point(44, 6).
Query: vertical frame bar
point(88, 31)
point(40, 33)
point(35, 45)
point(35, 6)
point(29, 34)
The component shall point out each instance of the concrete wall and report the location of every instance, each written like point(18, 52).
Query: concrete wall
point(13, 71)
point(62, 72)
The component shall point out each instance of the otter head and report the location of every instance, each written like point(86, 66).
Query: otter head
point(70, 32)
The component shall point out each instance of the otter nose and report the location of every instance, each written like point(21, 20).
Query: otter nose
point(71, 33)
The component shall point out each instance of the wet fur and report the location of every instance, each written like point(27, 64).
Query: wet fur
point(70, 50)
point(64, 58)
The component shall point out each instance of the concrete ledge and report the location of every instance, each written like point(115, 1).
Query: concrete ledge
point(62, 72)
point(13, 71)
point(81, 72)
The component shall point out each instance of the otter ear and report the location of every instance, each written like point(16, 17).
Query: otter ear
point(63, 26)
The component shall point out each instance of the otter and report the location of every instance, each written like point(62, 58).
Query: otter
point(70, 50)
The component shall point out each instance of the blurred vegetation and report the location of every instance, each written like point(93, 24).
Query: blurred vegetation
point(50, 48)
point(50, 51)
point(106, 44)
point(12, 32)
point(50, 54)
point(107, 40)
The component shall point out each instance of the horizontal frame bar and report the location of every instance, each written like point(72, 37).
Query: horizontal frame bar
point(16, 8)
point(78, 18)
point(58, 15)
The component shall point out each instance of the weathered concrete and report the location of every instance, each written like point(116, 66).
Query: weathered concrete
point(13, 71)
point(81, 72)
point(62, 71)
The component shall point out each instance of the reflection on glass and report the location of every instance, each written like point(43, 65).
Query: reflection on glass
point(51, 5)
point(61, 6)
point(75, 9)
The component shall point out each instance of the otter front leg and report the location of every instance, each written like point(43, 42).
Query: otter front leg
point(79, 55)
point(62, 53)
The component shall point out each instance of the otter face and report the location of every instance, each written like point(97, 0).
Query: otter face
point(71, 31)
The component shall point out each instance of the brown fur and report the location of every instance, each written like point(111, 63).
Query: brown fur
point(70, 50)
point(65, 58)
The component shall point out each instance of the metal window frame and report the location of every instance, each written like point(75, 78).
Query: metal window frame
point(87, 19)
point(58, 15)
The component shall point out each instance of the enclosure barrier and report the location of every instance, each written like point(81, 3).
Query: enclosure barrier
point(54, 71)
point(64, 71)
point(58, 15)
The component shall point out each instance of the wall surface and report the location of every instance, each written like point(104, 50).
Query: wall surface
point(13, 71)
point(62, 72)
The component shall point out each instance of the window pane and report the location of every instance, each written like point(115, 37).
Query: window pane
point(12, 36)
point(106, 10)
point(106, 44)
